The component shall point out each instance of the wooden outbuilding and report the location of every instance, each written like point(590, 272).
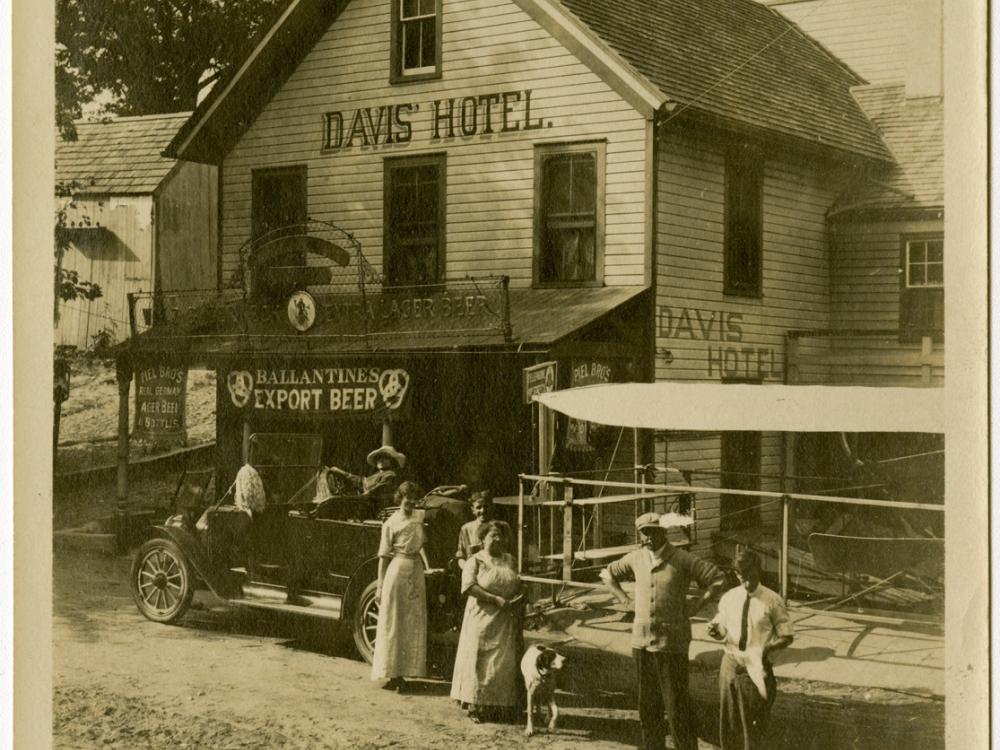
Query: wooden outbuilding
point(133, 219)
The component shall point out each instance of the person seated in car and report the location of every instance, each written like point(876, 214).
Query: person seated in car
point(383, 483)
point(469, 543)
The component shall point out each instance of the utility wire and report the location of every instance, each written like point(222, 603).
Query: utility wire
point(791, 27)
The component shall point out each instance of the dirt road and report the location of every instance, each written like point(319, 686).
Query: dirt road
point(224, 680)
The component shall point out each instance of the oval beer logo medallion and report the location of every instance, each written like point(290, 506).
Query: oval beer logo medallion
point(301, 310)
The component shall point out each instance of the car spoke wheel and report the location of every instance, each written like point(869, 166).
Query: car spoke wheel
point(161, 581)
point(365, 622)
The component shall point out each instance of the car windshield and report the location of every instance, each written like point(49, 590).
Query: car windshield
point(287, 464)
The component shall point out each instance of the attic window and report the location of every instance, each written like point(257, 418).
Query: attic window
point(416, 40)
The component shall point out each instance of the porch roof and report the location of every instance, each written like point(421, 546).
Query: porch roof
point(538, 319)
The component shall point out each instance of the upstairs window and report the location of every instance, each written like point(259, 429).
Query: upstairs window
point(569, 214)
point(278, 205)
point(921, 305)
point(416, 40)
point(743, 259)
point(415, 220)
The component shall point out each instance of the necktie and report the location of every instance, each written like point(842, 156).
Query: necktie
point(744, 623)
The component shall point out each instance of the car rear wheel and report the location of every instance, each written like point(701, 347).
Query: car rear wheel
point(364, 622)
point(161, 581)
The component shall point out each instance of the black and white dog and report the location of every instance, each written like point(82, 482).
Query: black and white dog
point(540, 665)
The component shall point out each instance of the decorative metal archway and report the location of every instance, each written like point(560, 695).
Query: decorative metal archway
point(318, 239)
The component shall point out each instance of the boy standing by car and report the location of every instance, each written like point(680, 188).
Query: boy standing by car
point(468, 537)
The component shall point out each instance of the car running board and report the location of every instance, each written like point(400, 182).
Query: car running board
point(274, 598)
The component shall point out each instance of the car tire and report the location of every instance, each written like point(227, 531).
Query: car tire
point(364, 621)
point(161, 580)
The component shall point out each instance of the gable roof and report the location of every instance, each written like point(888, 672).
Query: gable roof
point(738, 62)
point(913, 129)
point(120, 156)
point(735, 62)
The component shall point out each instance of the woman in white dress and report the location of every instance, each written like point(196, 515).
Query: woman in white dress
point(486, 664)
point(401, 634)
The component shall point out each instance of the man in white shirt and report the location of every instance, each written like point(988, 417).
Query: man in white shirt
point(754, 623)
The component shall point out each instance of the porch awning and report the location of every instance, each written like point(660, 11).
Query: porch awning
point(545, 316)
point(766, 408)
point(538, 318)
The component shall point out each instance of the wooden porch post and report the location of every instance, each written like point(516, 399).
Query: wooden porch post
point(567, 562)
point(926, 362)
point(123, 373)
point(520, 525)
point(246, 440)
point(786, 502)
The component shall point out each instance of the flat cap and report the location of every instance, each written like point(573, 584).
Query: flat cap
point(646, 520)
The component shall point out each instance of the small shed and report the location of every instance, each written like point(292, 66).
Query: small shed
point(133, 220)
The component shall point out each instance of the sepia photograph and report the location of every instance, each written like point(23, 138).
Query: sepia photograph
point(509, 373)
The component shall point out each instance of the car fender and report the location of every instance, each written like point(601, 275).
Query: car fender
point(360, 577)
point(222, 583)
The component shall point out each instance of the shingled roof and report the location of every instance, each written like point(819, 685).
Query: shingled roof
point(119, 156)
point(738, 61)
point(913, 129)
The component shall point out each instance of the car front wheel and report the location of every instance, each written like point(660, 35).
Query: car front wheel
point(161, 581)
point(365, 622)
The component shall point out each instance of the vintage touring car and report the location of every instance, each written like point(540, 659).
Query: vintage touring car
point(305, 558)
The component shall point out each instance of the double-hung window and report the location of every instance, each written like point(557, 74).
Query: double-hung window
point(569, 214)
point(416, 40)
point(278, 208)
point(414, 209)
point(921, 305)
point(743, 253)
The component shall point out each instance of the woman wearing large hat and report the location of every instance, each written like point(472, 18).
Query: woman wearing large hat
point(381, 485)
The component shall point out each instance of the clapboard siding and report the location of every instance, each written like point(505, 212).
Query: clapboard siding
point(118, 258)
point(866, 272)
point(488, 47)
point(689, 247)
point(689, 254)
point(869, 35)
point(186, 227)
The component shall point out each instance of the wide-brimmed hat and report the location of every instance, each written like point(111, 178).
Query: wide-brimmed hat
point(387, 450)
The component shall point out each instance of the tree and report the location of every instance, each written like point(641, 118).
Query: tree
point(150, 56)
point(68, 284)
